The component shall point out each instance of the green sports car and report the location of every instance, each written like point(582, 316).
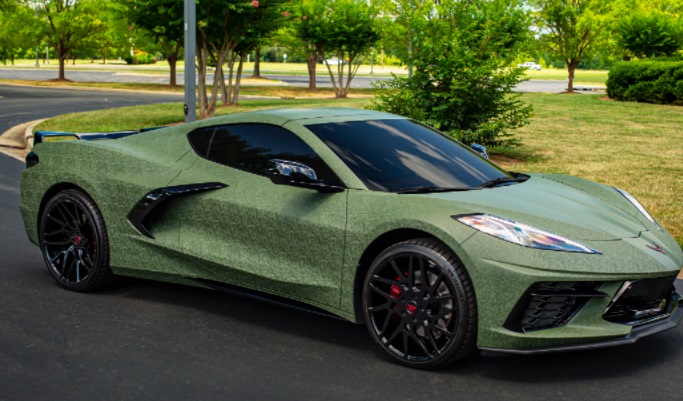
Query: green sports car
point(362, 215)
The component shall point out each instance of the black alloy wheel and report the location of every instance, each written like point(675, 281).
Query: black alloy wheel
point(74, 241)
point(419, 304)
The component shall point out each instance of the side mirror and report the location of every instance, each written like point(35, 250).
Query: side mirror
point(481, 150)
point(286, 172)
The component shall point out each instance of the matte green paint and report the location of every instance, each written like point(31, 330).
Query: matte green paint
point(306, 246)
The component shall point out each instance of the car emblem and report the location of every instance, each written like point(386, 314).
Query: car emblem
point(657, 248)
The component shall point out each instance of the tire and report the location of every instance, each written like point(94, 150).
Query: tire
point(74, 241)
point(420, 323)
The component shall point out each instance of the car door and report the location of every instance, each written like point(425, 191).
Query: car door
point(253, 233)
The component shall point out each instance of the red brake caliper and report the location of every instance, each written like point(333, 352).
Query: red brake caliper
point(395, 293)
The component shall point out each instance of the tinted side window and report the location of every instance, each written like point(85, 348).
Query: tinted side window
point(200, 140)
point(249, 147)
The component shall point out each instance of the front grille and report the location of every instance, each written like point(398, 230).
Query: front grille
point(642, 301)
point(547, 305)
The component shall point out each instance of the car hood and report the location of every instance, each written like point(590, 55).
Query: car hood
point(551, 206)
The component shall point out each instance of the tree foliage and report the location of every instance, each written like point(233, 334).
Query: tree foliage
point(16, 33)
point(462, 84)
point(650, 35)
point(344, 29)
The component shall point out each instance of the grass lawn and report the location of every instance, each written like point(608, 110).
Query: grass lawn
point(581, 77)
point(249, 87)
point(161, 67)
point(635, 146)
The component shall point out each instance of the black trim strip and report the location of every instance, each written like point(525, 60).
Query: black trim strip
point(139, 215)
point(575, 294)
point(264, 297)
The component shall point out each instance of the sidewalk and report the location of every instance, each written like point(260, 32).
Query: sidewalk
point(18, 141)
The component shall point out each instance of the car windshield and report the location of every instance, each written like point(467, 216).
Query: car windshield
point(396, 155)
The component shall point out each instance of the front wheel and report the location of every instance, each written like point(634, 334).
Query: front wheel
point(74, 241)
point(419, 304)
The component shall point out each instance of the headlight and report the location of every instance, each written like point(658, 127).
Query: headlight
point(638, 206)
point(522, 234)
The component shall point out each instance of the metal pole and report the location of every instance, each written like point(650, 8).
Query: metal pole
point(47, 48)
point(190, 54)
point(372, 61)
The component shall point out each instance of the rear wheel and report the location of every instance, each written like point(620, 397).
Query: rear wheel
point(74, 241)
point(419, 304)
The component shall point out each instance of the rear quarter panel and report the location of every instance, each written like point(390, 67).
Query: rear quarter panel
point(116, 174)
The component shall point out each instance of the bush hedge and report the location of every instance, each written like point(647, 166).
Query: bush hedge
point(140, 59)
point(648, 81)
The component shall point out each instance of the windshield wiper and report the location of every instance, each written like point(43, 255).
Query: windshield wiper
point(504, 180)
point(433, 189)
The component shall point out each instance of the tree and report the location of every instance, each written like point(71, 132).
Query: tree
point(650, 35)
point(69, 22)
point(290, 37)
point(163, 20)
point(573, 27)
point(223, 25)
point(341, 28)
point(462, 82)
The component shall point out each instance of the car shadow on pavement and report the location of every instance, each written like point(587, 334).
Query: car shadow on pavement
point(233, 307)
point(593, 365)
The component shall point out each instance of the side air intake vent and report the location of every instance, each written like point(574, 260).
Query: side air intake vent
point(550, 304)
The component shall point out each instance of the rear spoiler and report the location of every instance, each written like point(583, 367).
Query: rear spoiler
point(50, 136)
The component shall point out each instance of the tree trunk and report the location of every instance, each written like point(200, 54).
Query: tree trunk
point(238, 80)
point(172, 60)
point(339, 88)
point(62, 59)
point(312, 64)
point(257, 64)
point(571, 67)
point(202, 56)
point(231, 69)
point(221, 81)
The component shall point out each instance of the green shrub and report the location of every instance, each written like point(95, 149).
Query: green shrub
point(140, 59)
point(461, 83)
point(647, 81)
point(391, 60)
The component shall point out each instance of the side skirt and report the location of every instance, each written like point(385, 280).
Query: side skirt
point(263, 297)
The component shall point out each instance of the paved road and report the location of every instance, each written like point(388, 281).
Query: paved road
point(143, 340)
point(22, 104)
point(322, 79)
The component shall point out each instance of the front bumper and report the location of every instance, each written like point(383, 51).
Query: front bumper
point(675, 315)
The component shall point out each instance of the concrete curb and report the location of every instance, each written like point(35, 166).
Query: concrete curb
point(18, 141)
